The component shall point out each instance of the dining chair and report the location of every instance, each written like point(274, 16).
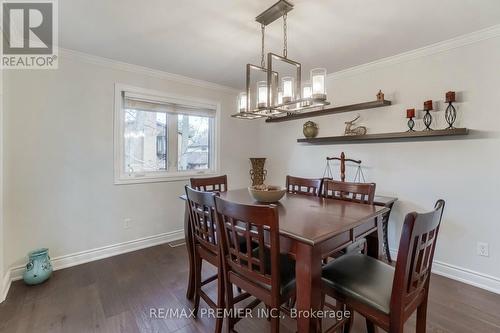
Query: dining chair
point(304, 186)
point(384, 295)
point(356, 192)
point(210, 184)
point(262, 271)
point(206, 248)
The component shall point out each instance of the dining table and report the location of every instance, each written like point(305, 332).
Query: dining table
point(311, 228)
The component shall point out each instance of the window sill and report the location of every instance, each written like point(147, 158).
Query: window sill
point(161, 179)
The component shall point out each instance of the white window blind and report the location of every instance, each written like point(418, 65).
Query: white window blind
point(161, 137)
point(158, 104)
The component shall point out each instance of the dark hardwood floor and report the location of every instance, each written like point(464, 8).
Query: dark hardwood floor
point(116, 295)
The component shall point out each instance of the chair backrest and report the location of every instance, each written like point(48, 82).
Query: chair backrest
point(202, 218)
point(257, 225)
point(210, 184)
point(357, 192)
point(303, 186)
point(415, 255)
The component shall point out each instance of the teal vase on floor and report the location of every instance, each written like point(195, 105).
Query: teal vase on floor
point(38, 268)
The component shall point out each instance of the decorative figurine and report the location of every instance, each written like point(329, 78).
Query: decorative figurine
point(410, 114)
point(310, 129)
point(380, 95)
point(349, 130)
point(258, 173)
point(427, 117)
point(451, 113)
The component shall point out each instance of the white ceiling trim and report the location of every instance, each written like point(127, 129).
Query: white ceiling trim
point(119, 65)
point(447, 45)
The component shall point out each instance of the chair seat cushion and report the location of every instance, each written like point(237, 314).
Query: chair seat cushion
point(361, 278)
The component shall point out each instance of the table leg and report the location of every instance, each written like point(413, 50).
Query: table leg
point(308, 281)
point(189, 246)
point(373, 240)
point(385, 223)
point(373, 244)
point(385, 226)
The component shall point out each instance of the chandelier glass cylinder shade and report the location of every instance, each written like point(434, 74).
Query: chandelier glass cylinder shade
point(272, 91)
point(318, 78)
point(287, 88)
point(262, 95)
point(242, 102)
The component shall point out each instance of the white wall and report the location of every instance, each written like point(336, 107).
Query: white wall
point(463, 172)
point(59, 158)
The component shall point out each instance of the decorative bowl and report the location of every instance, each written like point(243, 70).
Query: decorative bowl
point(266, 193)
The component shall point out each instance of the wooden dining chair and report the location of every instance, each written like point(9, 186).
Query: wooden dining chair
point(262, 271)
point(388, 296)
point(304, 186)
point(210, 184)
point(356, 192)
point(206, 247)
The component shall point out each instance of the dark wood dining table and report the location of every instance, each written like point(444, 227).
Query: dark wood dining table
point(310, 229)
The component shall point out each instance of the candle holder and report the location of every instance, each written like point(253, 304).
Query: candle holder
point(427, 120)
point(451, 113)
point(410, 114)
point(411, 124)
point(427, 117)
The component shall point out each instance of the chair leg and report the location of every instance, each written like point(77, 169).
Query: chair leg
point(370, 327)
point(229, 306)
point(350, 321)
point(321, 307)
point(197, 283)
point(220, 301)
point(422, 318)
point(275, 323)
point(292, 301)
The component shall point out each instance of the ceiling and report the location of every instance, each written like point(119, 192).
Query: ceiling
point(212, 40)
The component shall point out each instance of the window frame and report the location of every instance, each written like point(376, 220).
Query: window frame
point(122, 177)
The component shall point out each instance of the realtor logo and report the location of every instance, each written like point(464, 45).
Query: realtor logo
point(29, 34)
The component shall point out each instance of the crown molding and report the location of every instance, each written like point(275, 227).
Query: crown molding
point(447, 45)
point(123, 66)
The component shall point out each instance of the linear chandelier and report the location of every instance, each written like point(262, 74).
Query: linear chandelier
point(274, 94)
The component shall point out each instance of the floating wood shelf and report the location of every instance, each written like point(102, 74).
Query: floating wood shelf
point(324, 112)
point(397, 136)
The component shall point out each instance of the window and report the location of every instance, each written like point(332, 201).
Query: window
point(159, 137)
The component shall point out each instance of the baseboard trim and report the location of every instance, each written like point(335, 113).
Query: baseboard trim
point(78, 258)
point(5, 286)
point(464, 275)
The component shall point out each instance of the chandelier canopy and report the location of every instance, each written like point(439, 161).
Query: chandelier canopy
point(272, 91)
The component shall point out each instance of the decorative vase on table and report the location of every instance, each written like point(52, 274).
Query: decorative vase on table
point(38, 268)
point(258, 173)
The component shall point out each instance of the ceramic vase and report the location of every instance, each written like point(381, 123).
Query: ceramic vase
point(310, 129)
point(38, 268)
point(258, 173)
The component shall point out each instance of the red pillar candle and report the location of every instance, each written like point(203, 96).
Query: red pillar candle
point(410, 113)
point(450, 97)
point(428, 105)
